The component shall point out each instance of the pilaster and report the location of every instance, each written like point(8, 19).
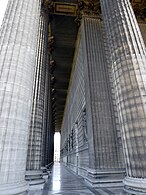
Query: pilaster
point(106, 166)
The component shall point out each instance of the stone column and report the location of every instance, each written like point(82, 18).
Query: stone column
point(34, 155)
point(18, 41)
point(45, 124)
point(47, 140)
point(128, 55)
point(105, 157)
point(51, 158)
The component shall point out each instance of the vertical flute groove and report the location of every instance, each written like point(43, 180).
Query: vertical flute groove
point(34, 156)
point(17, 63)
point(128, 56)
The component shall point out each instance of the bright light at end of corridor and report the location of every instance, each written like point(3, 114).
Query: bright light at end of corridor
point(57, 147)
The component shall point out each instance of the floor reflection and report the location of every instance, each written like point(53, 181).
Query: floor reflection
point(63, 182)
point(56, 177)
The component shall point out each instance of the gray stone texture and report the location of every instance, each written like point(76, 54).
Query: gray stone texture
point(90, 141)
point(128, 56)
point(34, 154)
point(74, 146)
point(45, 122)
point(101, 123)
point(106, 98)
point(48, 137)
point(18, 41)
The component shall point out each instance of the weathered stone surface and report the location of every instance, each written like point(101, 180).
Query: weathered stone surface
point(105, 154)
point(74, 146)
point(34, 154)
point(37, 128)
point(106, 97)
point(18, 41)
point(90, 142)
point(128, 55)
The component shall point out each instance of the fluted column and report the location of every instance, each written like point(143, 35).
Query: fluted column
point(18, 41)
point(105, 157)
point(46, 113)
point(128, 55)
point(48, 123)
point(34, 155)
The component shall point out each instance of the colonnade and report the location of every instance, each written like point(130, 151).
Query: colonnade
point(24, 82)
point(26, 130)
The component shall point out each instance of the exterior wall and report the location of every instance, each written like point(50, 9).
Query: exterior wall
point(74, 145)
point(91, 140)
point(105, 142)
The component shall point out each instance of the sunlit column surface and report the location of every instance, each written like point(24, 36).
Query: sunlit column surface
point(36, 127)
point(128, 55)
point(34, 156)
point(18, 41)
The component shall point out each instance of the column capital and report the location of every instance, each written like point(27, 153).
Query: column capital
point(47, 6)
point(89, 8)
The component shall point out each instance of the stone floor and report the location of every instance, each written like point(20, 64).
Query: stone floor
point(64, 182)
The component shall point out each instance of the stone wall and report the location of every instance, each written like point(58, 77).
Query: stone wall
point(90, 136)
point(74, 145)
point(91, 143)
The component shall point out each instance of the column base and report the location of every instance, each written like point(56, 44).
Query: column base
point(135, 185)
point(45, 174)
point(35, 180)
point(105, 178)
point(49, 167)
point(14, 189)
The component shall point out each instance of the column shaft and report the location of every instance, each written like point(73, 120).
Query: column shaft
point(48, 126)
point(45, 129)
point(128, 55)
point(18, 41)
point(36, 126)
